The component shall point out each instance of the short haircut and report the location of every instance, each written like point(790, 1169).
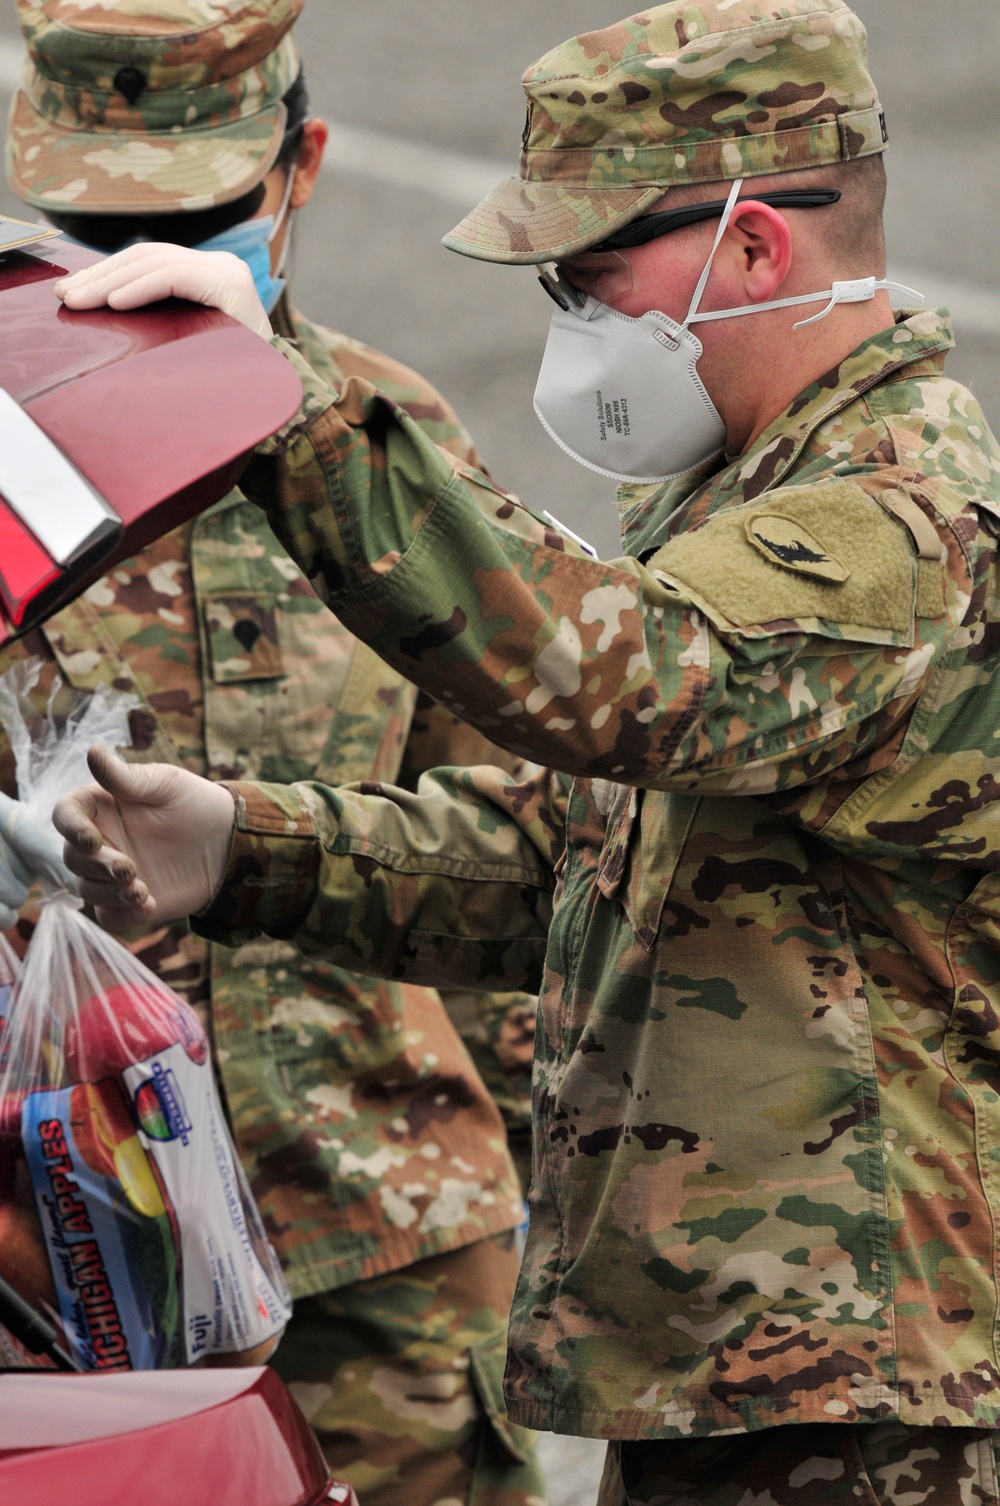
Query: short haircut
point(852, 229)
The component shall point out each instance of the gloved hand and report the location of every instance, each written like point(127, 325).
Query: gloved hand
point(30, 850)
point(146, 273)
point(145, 838)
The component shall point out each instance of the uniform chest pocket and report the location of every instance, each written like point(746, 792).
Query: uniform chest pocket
point(646, 833)
point(243, 641)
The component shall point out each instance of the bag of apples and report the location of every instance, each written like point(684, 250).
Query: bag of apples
point(143, 1238)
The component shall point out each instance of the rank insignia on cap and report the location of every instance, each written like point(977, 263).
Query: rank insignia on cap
point(785, 542)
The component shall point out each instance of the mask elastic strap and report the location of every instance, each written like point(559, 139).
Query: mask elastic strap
point(703, 279)
point(279, 220)
point(857, 290)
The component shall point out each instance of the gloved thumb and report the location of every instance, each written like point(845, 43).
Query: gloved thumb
point(128, 783)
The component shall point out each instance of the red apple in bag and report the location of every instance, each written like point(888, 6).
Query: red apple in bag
point(128, 1024)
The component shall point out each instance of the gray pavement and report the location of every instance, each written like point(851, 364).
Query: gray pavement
point(427, 111)
point(572, 1468)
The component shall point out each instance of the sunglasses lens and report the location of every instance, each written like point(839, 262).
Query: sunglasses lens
point(604, 275)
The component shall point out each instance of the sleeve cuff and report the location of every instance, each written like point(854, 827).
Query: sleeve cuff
point(270, 882)
point(317, 397)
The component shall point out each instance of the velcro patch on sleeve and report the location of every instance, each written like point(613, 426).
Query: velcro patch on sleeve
point(826, 553)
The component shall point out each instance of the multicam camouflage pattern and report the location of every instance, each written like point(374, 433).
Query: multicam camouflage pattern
point(498, 1028)
point(499, 1034)
point(149, 106)
point(884, 1464)
point(767, 1087)
point(681, 93)
point(401, 1378)
point(368, 1135)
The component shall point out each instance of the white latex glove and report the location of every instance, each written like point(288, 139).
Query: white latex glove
point(30, 851)
point(151, 271)
point(146, 837)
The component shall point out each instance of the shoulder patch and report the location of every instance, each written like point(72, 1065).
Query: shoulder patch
point(785, 542)
point(824, 555)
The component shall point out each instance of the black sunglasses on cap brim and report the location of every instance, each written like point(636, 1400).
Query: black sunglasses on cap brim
point(648, 226)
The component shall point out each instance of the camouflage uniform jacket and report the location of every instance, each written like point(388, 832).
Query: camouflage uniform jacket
point(767, 1076)
point(367, 1133)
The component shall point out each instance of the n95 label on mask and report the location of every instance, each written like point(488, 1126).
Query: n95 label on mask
point(612, 417)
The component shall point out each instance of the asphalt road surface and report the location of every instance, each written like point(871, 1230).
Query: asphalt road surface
point(427, 112)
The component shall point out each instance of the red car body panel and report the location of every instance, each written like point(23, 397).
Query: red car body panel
point(157, 409)
point(158, 1438)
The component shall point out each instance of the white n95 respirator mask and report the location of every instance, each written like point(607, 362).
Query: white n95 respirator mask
point(623, 396)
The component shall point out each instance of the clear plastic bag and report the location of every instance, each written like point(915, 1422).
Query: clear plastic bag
point(18, 1219)
point(10, 976)
point(144, 1239)
point(50, 754)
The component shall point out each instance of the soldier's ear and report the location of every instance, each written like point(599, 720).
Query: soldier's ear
point(761, 238)
point(315, 134)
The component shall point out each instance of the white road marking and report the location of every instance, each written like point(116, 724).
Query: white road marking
point(460, 181)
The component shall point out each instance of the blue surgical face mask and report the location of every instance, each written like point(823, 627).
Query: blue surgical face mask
point(251, 241)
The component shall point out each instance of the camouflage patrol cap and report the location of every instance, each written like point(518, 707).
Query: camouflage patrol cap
point(149, 106)
point(679, 94)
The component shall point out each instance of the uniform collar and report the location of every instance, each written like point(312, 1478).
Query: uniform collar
point(650, 515)
point(282, 318)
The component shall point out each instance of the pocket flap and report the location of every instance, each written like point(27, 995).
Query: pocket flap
point(647, 830)
point(242, 632)
point(622, 813)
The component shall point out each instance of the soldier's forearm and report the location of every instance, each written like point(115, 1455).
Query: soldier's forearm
point(379, 882)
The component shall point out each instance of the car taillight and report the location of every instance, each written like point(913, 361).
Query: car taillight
point(50, 516)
